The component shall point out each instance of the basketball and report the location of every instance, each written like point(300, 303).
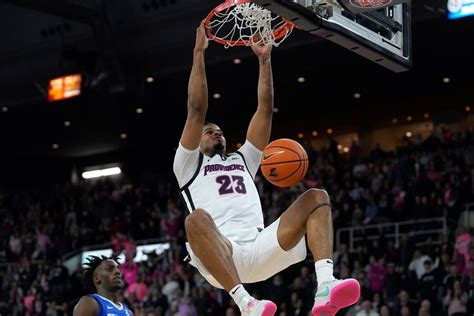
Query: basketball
point(284, 162)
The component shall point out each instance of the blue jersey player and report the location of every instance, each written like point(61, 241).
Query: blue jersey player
point(103, 279)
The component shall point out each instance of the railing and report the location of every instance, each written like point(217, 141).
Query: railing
point(418, 229)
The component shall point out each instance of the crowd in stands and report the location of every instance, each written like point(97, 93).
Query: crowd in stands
point(422, 179)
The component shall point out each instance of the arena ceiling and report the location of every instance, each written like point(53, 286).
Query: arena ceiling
point(116, 45)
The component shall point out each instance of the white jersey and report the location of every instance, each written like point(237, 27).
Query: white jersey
point(224, 187)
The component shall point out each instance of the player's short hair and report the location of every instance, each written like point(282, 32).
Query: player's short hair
point(88, 276)
point(208, 122)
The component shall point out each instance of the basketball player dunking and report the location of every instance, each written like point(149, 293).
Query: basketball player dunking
point(227, 241)
point(103, 279)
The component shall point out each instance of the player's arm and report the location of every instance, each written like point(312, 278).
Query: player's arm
point(260, 126)
point(87, 306)
point(197, 94)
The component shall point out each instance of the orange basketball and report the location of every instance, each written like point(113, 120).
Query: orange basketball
point(284, 162)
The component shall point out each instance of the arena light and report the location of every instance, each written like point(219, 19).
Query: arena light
point(143, 252)
point(460, 8)
point(64, 87)
point(101, 173)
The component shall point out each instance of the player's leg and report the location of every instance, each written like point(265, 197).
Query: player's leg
point(311, 214)
point(212, 248)
point(214, 251)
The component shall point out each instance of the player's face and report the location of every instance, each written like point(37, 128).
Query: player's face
point(109, 276)
point(212, 140)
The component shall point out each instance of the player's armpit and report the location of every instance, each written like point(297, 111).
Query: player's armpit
point(87, 306)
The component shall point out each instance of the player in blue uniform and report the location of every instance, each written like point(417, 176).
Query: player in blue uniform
point(103, 279)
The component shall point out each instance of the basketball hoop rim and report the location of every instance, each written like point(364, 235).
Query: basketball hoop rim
point(281, 31)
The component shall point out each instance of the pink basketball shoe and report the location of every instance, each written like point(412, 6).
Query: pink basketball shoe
point(259, 308)
point(334, 295)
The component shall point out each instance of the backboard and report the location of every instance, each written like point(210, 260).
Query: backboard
point(381, 34)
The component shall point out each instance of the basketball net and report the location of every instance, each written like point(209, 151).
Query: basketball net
point(246, 24)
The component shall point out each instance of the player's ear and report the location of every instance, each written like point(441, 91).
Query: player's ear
point(97, 279)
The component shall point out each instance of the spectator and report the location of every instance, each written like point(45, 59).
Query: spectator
point(43, 243)
point(186, 307)
point(384, 311)
point(15, 245)
point(425, 308)
point(170, 289)
point(367, 309)
point(404, 304)
point(392, 284)
point(428, 284)
point(417, 264)
point(456, 300)
point(377, 275)
point(130, 271)
point(137, 291)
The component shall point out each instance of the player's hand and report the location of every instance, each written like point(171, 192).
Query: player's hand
point(201, 38)
point(262, 50)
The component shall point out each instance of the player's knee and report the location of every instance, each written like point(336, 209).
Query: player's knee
point(317, 197)
point(198, 219)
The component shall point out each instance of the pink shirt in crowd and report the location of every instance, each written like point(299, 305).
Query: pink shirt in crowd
point(140, 290)
point(42, 241)
point(377, 275)
point(463, 243)
point(28, 302)
point(130, 248)
point(129, 273)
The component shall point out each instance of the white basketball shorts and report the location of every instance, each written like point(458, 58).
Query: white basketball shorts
point(259, 259)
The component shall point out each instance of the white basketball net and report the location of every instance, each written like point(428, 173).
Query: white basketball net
point(247, 22)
